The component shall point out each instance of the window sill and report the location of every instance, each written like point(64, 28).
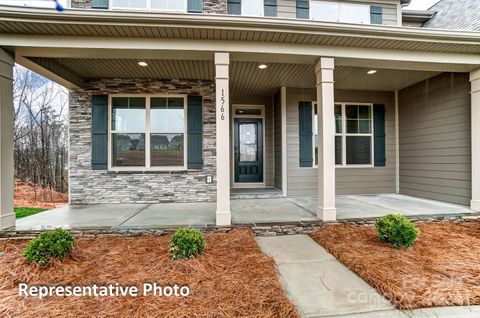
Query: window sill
point(355, 167)
point(352, 167)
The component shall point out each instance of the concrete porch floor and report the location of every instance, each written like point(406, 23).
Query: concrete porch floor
point(245, 211)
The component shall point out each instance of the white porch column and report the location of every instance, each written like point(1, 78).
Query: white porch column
point(475, 92)
point(326, 139)
point(7, 216)
point(224, 215)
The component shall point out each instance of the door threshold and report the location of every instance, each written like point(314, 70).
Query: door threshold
point(249, 186)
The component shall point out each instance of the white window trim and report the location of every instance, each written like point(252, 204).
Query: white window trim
point(344, 135)
point(147, 8)
point(340, 5)
point(147, 133)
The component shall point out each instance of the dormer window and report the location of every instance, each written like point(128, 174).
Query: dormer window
point(339, 12)
point(252, 8)
point(150, 5)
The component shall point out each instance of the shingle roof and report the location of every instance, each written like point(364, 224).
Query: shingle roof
point(456, 14)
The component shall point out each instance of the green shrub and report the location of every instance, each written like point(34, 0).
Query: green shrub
point(397, 230)
point(186, 243)
point(55, 244)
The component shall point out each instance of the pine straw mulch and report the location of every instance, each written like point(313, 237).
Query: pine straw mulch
point(29, 195)
point(232, 279)
point(441, 269)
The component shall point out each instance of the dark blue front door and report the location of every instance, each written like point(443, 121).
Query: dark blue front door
point(248, 150)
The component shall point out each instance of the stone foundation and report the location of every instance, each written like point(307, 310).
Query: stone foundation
point(89, 186)
point(271, 229)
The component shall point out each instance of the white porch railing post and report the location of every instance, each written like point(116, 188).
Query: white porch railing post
point(7, 216)
point(475, 93)
point(326, 139)
point(222, 62)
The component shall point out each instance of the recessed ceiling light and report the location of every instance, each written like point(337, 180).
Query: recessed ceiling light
point(142, 63)
point(262, 66)
point(371, 72)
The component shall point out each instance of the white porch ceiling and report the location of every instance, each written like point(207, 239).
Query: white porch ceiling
point(246, 78)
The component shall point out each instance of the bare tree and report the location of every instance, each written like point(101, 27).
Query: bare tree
point(40, 130)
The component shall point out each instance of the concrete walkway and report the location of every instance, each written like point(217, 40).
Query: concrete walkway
point(321, 286)
point(317, 283)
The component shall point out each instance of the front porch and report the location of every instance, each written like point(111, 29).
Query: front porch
point(331, 111)
point(244, 212)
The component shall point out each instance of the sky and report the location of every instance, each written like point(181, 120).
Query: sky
point(420, 4)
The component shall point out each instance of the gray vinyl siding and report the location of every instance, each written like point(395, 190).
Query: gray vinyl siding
point(288, 9)
point(303, 181)
point(277, 124)
point(268, 159)
point(435, 151)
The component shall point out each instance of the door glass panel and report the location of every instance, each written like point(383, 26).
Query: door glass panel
point(248, 142)
point(248, 111)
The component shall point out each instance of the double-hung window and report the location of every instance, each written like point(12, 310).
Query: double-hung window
point(252, 8)
point(147, 132)
point(353, 134)
point(339, 12)
point(160, 5)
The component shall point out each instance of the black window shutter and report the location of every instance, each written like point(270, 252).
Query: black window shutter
point(306, 133)
point(99, 4)
point(195, 6)
point(379, 135)
point(270, 8)
point(303, 8)
point(376, 15)
point(195, 133)
point(99, 132)
point(234, 7)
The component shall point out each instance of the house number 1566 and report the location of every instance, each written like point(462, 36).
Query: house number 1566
point(222, 106)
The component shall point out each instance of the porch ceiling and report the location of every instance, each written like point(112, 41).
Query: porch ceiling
point(246, 78)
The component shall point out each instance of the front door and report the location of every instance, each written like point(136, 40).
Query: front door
point(248, 150)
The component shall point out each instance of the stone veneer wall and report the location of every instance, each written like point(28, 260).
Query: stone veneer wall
point(209, 6)
point(81, 4)
point(89, 186)
point(215, 6)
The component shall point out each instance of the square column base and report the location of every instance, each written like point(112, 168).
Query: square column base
point(327, 214)
point(224, 218)
point(7, 220)
point(475, 205)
